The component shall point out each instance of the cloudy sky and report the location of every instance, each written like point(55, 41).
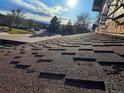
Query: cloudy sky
point(44, 10)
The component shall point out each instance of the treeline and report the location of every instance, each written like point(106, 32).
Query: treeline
point(17, 19)
point(81, 25)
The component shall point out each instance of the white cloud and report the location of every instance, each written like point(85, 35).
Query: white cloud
point(38, 6)
point(29, 15)
point(64, 20)
point(4, 12)
point(37, 17)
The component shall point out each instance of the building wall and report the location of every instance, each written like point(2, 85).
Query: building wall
point(110, 25)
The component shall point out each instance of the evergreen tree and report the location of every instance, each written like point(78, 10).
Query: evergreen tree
point(69, 28)
point(54, 25)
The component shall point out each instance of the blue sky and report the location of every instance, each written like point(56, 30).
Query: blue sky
point(44, 10)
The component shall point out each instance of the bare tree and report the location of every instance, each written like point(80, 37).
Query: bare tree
point(9, 21)
point(14, 18)
point(17, 17)
point(82, 23)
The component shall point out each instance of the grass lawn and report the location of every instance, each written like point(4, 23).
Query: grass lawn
point(19, 31)
point(15, 30)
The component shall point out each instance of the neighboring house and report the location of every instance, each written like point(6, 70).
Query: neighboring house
point(111, 15)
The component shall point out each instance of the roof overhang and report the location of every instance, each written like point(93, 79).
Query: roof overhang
point(97, 5)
